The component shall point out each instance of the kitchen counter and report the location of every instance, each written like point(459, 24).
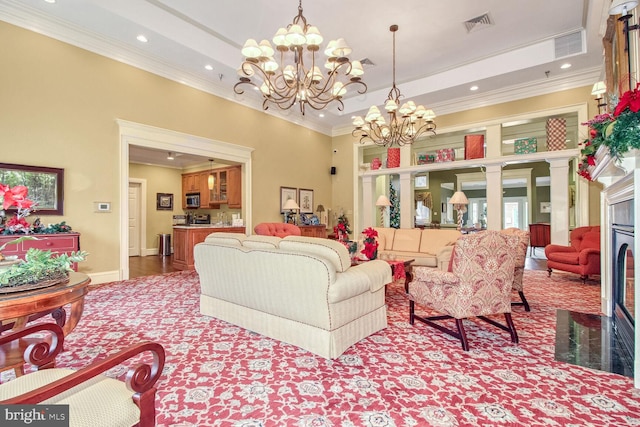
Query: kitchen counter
point(185, 237)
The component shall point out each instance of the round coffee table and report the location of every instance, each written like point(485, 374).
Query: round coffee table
point(20, 307)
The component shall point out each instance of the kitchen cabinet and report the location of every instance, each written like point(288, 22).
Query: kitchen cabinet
point(56, 243)
point(227, 188)
point(313, 230)
point(186, 237)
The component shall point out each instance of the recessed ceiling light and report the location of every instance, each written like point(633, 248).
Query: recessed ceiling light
point(50, 1)
point(565, 66)
point(170, 156)
point(142, 38)
point(208, 67)
point(321, 115)
point(474, 87)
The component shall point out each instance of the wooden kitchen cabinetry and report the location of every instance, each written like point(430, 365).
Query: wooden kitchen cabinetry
point(56, 243)
point(186, 237)
point(227, 188)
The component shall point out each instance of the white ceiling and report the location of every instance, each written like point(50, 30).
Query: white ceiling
point(437, 60)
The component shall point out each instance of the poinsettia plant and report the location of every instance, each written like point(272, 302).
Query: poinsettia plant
point(16, 196)
point(370, 243)
point(619, 131)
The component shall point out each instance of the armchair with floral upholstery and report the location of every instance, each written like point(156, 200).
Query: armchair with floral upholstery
point(521, 252)
point(582, 256)
point(478, 285)
point(94, 398)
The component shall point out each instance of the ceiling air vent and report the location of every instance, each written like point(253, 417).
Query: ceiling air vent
point(478, 23)
point(569, 44)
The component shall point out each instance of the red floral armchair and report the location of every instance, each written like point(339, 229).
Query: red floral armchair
point(478, 285)
point(581, 257)
point(521, 253)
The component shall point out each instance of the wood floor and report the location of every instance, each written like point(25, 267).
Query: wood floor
point(150, 265)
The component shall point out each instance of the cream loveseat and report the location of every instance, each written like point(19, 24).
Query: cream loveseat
point(299, 290)
point(429, 247)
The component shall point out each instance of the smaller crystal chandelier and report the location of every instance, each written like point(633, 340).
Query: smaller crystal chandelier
point(286, 85)
point(406, 123)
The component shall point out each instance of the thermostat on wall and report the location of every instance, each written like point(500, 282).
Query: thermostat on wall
point(102, 206)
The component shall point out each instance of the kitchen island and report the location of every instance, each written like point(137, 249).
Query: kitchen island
point(185, 237)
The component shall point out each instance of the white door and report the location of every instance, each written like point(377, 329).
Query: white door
point(134, 219)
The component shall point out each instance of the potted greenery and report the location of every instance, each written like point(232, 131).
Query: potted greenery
point(39, 269)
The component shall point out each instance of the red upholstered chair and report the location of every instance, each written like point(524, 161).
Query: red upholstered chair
point(478, 285)
point(581, 257)
point(279, 229)
point(521, 252)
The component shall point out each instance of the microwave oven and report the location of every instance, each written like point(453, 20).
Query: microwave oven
point(192, 200)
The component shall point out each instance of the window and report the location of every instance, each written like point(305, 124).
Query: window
point(45, 185)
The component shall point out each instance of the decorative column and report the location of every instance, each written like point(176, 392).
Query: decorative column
point(494, 197)
point(407, 210)
point(559, 172)
point(368, 208)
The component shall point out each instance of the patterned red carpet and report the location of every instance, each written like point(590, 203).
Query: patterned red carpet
point(220, 375)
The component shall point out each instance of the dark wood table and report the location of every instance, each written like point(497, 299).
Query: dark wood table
point(20, 307)
point(395, 263)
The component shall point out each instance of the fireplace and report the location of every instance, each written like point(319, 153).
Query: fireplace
point(620, 246)
point(622, 274)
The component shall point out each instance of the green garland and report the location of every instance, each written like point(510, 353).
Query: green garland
point(625, 134)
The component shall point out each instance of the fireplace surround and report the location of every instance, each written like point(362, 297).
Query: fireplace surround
point(620, 246)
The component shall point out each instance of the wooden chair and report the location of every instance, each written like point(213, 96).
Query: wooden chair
point(479, 285)
point(93, 398)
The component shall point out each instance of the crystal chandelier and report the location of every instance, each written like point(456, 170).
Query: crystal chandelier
point(287, 84)
point(406, 123)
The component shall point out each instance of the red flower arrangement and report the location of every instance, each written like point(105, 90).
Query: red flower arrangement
point(16, 196)
point(370, 249)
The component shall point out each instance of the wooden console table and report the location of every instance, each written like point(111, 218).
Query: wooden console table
point(314, 230)
point(56, 243)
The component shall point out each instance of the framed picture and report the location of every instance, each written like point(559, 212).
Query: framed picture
point(287, 193)
point(164, 201)
point(45, 185)
point(545, 207)
point(306, 201)
point(422, 181)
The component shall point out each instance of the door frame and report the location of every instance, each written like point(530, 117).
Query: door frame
point(143, 214)
point(132, 133)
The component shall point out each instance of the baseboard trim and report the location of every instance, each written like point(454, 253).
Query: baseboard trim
point(104, 277)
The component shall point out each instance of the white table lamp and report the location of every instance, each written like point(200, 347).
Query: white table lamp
point(459, 201)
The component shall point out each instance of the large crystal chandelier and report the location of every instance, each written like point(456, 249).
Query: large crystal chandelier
point(406, 123)
point(286, 85)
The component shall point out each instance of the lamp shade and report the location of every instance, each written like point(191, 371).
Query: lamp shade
point(459, 198)
point(622, 6)
point(320, 208)
point(598, 88)
point(291, 205)
point(383, 201)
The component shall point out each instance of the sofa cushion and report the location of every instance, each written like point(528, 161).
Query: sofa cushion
point(590, 239)
point(407, 240)
point(261, 242)
point(333, 251)
point(432, 240)
point(385, 237)
point(565, 257)
point(234, 239)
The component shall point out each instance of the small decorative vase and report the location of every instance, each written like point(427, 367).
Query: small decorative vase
point(376, 163)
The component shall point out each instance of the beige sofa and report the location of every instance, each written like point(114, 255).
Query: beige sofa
point(429, 247)
point(300, 290)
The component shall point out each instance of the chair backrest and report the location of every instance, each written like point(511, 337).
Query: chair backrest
point(486, 257)
point(577, 234)
point(278, 229)
point(521, 252)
